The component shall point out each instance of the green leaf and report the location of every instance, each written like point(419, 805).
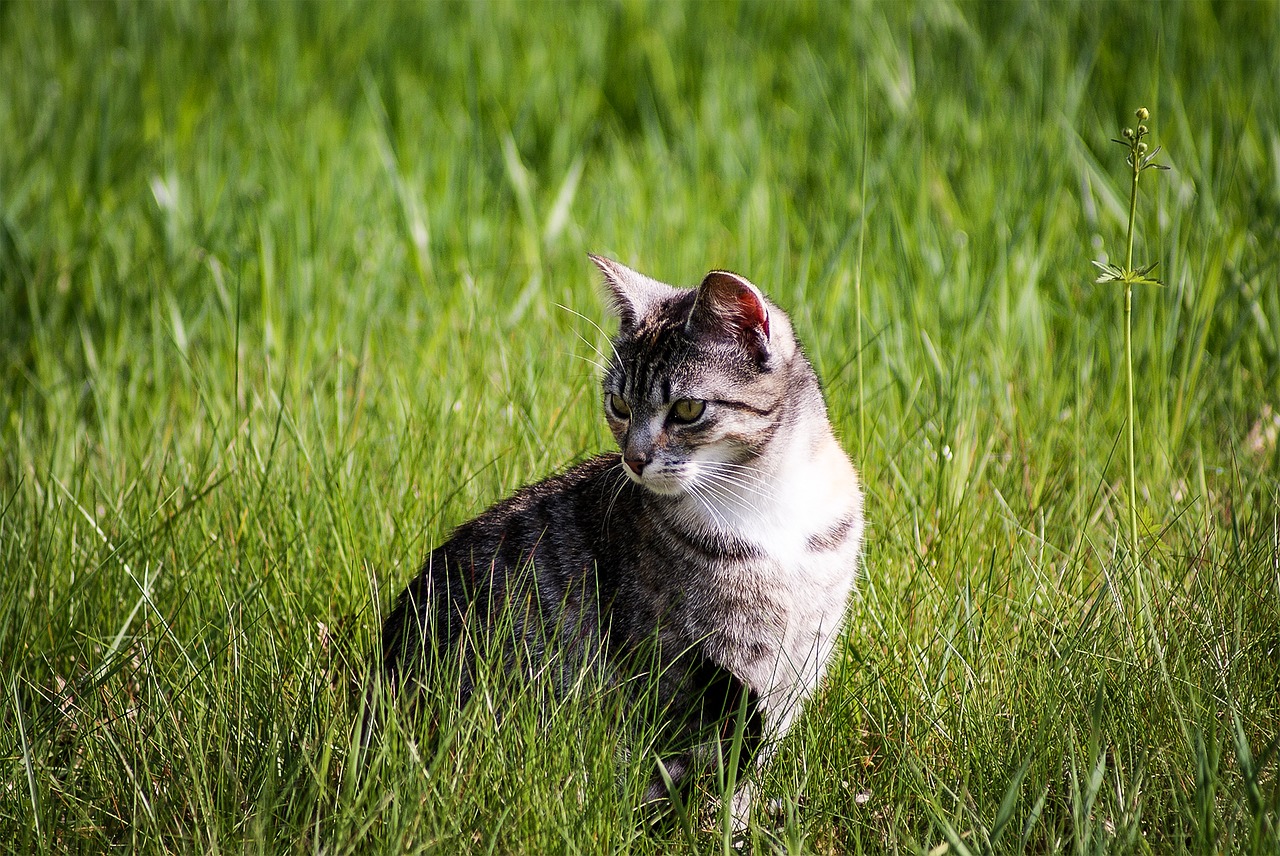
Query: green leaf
point(1110, 272)
point(1138, 276)
point(1147, 160)
point(1005, 812)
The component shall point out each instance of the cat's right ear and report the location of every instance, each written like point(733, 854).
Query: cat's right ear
point(632, 294)
point(730, 308)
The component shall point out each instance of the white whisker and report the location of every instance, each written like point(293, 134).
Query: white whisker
point(725, 494)
point(727, 497)
point(697, 492)
point(756, 487)
point(622, 484)
point(730, 466)
point(608, 339)
point(584, 340)
point(599, 366)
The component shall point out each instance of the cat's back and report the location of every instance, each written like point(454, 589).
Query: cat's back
point(558, 520)
point(546, 539)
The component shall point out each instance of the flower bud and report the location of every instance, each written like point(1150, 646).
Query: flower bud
point(1142, 148)
point(1142, 114)
point(1142, 130)
point(1127, 133)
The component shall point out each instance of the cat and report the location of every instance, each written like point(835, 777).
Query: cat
point(715, 551)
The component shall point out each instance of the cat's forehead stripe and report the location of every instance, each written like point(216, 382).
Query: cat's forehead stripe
point(654, 371)
point(652, 359)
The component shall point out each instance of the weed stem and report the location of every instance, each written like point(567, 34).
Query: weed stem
point(1135, 161)
point(1128, 365)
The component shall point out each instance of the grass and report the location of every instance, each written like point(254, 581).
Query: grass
point(281, 290)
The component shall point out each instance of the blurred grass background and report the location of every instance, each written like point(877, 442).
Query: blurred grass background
point(288, 290)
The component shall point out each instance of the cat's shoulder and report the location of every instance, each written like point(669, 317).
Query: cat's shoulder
point(585, 479)
point(593, 473)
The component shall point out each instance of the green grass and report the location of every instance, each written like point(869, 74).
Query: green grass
point(280, 303)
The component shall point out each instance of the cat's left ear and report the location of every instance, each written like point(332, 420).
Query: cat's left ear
point(632, 294)
point(730, 307)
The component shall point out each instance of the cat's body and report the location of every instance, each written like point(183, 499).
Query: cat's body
point(727, 531)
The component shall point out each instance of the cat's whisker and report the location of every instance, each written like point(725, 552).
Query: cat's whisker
point(752, 490)
point(601, 363)
point(728, 504)
point(750, 483)
point(600, 330)
point(599, 366)
point(725, 496)
point(730, 480)
point(737, 504)
point(622, 485)
point(700, 493)
point(729, 466)
point(584, 340)
point(756, 486)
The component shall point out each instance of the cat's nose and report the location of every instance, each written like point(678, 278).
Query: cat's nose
point(636, 464)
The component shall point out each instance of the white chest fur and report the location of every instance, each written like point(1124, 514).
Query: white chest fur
point(806, 526)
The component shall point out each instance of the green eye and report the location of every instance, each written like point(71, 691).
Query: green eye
point(688, 410)
point(618, 405)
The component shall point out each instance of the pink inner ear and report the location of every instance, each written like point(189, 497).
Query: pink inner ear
point(728, 305)
point(753, 312)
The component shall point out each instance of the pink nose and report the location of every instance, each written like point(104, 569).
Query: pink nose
point(636, 465)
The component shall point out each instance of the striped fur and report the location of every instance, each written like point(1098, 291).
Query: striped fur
point(727, 543)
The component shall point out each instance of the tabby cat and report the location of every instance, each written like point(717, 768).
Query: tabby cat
point(722, 542)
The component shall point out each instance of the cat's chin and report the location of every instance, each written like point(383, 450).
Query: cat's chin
point(661, 484)
point(672, 490)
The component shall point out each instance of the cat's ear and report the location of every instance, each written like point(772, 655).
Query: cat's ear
point(632, 294)
point(730, 307)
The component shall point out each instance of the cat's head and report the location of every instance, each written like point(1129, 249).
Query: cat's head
point(701, 380)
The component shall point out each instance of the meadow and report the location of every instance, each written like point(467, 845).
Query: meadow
point(288, 290)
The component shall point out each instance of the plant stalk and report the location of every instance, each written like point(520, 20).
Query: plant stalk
point(857, 279)
point(1133, 207)
point(1136, 160)
point(1128, 365)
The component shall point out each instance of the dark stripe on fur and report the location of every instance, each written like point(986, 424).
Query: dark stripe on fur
point(742, 405)
point(833, 537)
point(712, 548)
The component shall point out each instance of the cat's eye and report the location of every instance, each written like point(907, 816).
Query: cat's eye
point(688, 410)
point(618, 406)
